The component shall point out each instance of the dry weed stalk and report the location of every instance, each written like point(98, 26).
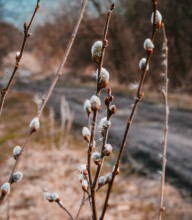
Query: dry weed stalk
point(19, 55)
point(164, 146)
point(34, 125)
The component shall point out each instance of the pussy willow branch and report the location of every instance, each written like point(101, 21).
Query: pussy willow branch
point(139, 97)
point(62, 206)
point(105, 136)
point(164, 147)
point(17, 162)
point(90, 147)
point(57, 75)
point(5, 90)
point(105, 44)
point(89, 164)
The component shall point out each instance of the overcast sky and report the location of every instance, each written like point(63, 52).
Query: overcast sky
point(19, 11)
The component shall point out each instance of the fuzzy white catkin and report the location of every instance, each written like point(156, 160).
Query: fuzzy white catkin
point(96, 48)
point(55, 196)
point(102, 180)
point(104, 75)
point(87, 105)
point(104, 123)
point(81, 177)
point(158, 17)
point(107, 150)
point(96, 156)
point(17, 177)
point(82, 168)
point(86, 132)
point(5, 188)
point(148, 44)
point(17, 151)
point(48, 196)
point(34, 124)
point(95, 101)
point(142, 63)
point(17, 54)
point(108, 176)
point(108, 147)
point(85, 183)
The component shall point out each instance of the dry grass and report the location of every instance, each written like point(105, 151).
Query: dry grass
point(55, 170)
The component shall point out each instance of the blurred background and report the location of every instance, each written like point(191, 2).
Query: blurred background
point(129, 27)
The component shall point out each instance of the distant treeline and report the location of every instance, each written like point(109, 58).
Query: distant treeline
point(128, 27)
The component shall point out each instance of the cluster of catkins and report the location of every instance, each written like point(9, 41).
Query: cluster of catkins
point(148, 44)
point(92, 106)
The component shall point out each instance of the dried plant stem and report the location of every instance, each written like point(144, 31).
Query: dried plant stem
point(59, 72)
point(138, 98)
point(5, 90)
point(81, 206)
point(68, 213)
point(164, 147)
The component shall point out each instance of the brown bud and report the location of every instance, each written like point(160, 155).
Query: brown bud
point(149, 51)
point(113, 109)
point(109, 91)
point(38, 5)
point(111, 98)
point(25, 26)
point(159, 25)
point(141, 95)
point(105, 43)
point(106, 100)
point(103, 84)
point(117, 172)
point(85, 172)
point(29, 34)
point(87, 138)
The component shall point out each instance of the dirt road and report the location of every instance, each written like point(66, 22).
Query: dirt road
point(144, 141)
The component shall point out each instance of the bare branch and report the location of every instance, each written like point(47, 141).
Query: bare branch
point(81, 206)
point(5, 90)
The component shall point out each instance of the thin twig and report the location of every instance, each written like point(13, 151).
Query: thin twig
point(57, 75)
point(105, 44)
point(139, 97)
point(17, 162)
point(164, 147)
point(105, 137)
point(90, 147)
point(8, 208)
point(5, 90)
point(64, 59)
point(81, 206)
point(61, 205)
